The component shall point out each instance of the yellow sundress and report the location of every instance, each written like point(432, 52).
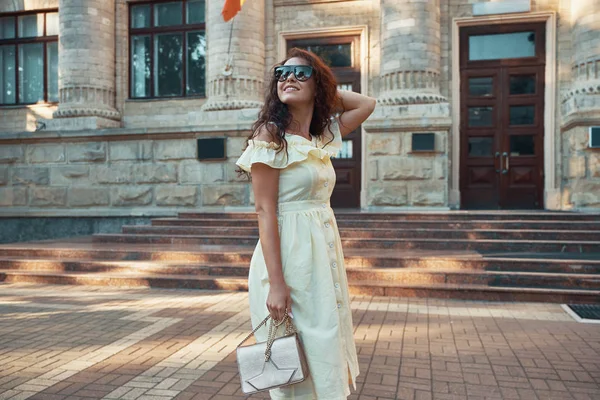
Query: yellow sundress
point(313, 264)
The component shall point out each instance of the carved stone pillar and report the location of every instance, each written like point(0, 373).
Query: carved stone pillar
point(242, 85)
point(409, 101)
point(586, 55)
point(411, 52)
point(581, 108)
point(87, 64)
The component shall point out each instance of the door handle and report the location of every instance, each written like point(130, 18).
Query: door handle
point(495, 159)
point(505, 170)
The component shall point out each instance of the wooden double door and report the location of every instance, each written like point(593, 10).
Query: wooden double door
point(502, 117)
point(341, 55)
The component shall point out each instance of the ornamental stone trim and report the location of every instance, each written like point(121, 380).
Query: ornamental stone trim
point(587, 70)
point(583, 88)
point(393, 99)
point(228, 93)
point(410, 80)
point(231, 105)
point(85, 101)
point(86, 112)
point(410, 87)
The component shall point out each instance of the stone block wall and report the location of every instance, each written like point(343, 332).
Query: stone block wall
point(103, 177)
point(24, 119)
point(398, 177)
point(581, 171)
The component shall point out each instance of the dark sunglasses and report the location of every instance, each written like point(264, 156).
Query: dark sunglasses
point(301, 72)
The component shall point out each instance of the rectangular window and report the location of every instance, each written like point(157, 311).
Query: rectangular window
point(501, 45)
point(167, 49)
point(31, 73)
point(29, 58)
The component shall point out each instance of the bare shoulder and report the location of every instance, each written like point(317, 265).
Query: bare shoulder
point(266, 134)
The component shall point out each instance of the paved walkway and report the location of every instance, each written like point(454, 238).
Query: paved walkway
point(74, 342)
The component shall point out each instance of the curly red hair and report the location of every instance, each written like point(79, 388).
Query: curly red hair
point(275, 115)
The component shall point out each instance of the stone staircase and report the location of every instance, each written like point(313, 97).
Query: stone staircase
point(496, 256)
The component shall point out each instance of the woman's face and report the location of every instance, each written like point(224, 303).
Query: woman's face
point(293, 92)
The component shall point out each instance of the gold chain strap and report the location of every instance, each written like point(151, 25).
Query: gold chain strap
point(289, 329)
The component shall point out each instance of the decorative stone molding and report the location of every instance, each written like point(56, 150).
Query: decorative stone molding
point(87, 94)
point(86, 112)
point(586, 78)
point(583, 88)
point(86, 65)
point(236, 55)
point(410, 80)
point(587, 70)
point(410, 87)
point(394, 99)
point(228, 93)
point(411, 76)
point(231, 105)
point(86, 101)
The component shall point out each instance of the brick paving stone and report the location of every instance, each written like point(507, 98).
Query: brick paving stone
point(72, 343)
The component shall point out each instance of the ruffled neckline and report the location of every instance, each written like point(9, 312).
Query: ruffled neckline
point(298, 149)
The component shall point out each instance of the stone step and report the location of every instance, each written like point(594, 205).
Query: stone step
point(396, 275)
point(382, 233)
point(471, 277)
point(421, 216)
point(476, 292)
point(377, 288)
point(360, 243)
point(105, 279)
point(227, 265)
point(361, 223)
point(155, 268)
point(63, 249)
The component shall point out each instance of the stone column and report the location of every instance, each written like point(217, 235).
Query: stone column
point(87, 64)
point(409, 101)
point(242, 85)
point(580, 181)
point(586, 54)
point(410, 52)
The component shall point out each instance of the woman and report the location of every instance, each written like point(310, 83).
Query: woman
point(298, 264)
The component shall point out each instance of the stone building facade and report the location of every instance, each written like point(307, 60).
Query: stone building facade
point(481, 104)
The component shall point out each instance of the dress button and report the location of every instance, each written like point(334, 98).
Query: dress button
point(334, 264)
point(331, 245)
point(337, 285)
point(324, 205)
point(339, 305)
point(326, 184)
point(327, 224)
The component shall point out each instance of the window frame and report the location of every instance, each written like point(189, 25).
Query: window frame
point(154, 30)
point(16, 41)
point(540, 45)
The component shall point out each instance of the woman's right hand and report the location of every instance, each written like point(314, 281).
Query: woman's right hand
point(279, 300)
